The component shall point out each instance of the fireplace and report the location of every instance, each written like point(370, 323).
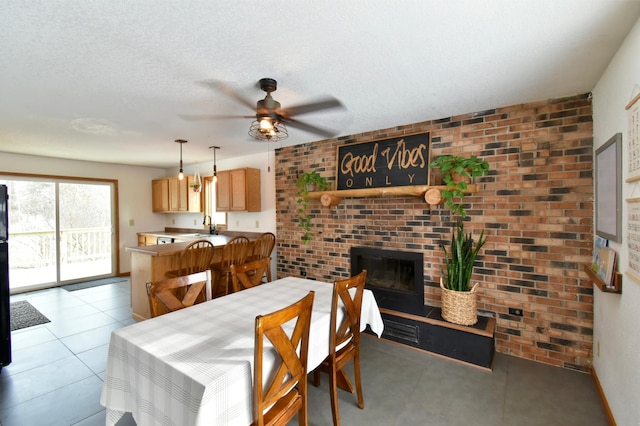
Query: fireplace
point(396, 278)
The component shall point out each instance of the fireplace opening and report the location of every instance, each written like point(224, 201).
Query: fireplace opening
point(396, 278)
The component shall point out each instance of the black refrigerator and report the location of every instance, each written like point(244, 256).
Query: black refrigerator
point(5, 318)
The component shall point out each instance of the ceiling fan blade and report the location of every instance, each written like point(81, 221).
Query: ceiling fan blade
point(326, 103)
point(228, 90)
point(291, 122)
point(202, 117)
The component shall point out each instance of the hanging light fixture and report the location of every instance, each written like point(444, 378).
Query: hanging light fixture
point(268, 128)
point(181, 141)
point(268, 125)
point(215, 170)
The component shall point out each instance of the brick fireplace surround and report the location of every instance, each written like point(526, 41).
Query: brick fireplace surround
point(536, 207)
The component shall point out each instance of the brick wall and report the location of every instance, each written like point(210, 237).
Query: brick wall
point(536, 208)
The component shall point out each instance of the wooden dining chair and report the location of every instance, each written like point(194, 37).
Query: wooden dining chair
point(195, 257)
point(249, 274)
point(282, 393)
point(234, 252)
point(180, 292)
point(344, 340)
point(262, 248)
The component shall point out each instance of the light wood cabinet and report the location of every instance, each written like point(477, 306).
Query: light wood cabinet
point(178, 195)
point(147, 240)
point(160, 195)
point(238, 190)
point(172, 195)
point(194, 199)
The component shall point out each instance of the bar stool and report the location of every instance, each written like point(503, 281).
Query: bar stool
point(235, 252)
point(262, 248)
point(195, 257)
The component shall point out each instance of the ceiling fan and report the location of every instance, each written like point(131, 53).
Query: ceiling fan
point(270, 118)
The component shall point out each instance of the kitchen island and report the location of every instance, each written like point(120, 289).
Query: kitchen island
point(150, 263)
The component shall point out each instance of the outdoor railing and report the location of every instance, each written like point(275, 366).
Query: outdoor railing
point(38, 248)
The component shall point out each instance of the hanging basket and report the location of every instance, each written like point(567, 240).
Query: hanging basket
point(459, 307)
point(196, 185)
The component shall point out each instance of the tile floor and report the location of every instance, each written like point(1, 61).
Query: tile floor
point(57, 370)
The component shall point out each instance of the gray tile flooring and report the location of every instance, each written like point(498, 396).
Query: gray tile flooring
point(57, 371)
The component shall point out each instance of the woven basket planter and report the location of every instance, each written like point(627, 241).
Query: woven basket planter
point(459, 307)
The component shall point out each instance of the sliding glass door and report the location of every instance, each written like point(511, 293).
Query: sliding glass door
point(59, 231)
point(84, 230)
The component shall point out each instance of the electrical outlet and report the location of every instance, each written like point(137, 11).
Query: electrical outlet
point(598, 349)
point(131, 222)
point(195, 221)
point(516, 312)
point(257, 224)
point(237, 223)
point(173, 221)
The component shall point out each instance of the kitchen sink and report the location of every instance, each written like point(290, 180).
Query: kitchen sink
point(194, 235)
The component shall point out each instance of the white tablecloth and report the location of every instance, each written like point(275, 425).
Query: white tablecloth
point(195, 366)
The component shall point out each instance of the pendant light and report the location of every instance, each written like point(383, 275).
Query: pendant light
point(181, 141)
point(215, 170)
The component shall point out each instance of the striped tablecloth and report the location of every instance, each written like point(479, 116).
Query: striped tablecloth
point(195, 366)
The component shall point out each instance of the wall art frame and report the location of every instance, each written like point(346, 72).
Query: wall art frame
point(608, 187)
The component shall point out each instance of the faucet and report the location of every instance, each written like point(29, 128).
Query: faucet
point(212, 226)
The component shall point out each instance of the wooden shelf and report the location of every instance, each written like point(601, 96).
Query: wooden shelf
point(332, 198)
point(617, 288)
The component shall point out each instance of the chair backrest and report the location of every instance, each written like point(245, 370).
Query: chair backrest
point(264, 245)
point(249, 274)
point(177, 293)
point(347, 332)
point(196, 257)
point(235, 252)
point(284, 390)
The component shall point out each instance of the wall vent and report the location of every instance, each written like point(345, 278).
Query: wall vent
point(405, 332)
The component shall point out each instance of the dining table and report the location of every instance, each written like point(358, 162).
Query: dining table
point(194, 366)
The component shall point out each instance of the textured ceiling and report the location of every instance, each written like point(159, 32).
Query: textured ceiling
point(105, 80)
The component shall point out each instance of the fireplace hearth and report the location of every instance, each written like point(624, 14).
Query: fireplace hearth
point(396, 278)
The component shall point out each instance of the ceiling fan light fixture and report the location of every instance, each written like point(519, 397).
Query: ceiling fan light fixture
point(266, 126)
point(268, 130)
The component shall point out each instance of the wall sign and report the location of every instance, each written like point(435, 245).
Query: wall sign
point(399, 161)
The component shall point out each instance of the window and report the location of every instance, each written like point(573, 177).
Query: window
point(218, 218)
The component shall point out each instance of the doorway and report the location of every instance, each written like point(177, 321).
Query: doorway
point(60, 231)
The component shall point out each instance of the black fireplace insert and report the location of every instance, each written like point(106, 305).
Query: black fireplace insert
point(396, 278)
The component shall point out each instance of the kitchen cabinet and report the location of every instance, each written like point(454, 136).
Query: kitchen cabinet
point(177, 194)
point(172, 195)
point(194, 199)
point(147, 240)
point(238, 190)
point(160, 195)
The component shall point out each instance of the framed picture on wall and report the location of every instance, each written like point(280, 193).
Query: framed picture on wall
point(608, 169)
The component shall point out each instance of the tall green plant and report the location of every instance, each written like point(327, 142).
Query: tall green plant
point(461, 258)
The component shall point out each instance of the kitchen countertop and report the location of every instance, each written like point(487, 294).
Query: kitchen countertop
point(174, 248)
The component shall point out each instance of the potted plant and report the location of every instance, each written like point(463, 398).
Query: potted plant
point(196, 183)
point(308, 182)
point(458, 301)
point(456, 172)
